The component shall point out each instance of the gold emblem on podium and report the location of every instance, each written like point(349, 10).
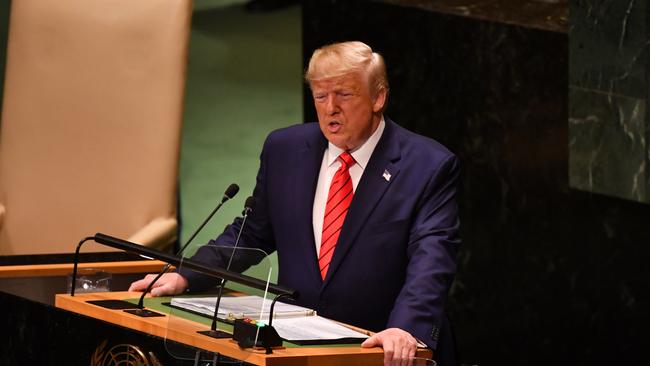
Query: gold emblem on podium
point(123, 355)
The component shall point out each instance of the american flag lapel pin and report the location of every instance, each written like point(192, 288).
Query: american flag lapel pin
point(386, 175)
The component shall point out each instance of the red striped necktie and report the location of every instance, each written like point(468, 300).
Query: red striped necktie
point(338, 203)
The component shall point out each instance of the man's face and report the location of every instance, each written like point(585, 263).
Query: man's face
point(347, 112)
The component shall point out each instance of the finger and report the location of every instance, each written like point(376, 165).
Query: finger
point(162, 290)
point(134, 286)
point(139, 285)
point(410, 362)
point(371, 342)
point(161, 282)
point(398, 352)
point(413, 349)
point(170, 285)
point(156, 292)
point(406, 353)
point(389, 352)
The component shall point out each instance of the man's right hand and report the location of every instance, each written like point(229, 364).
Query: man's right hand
point(168, 284)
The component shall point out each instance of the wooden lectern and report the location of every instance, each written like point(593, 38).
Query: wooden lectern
point(185, 332)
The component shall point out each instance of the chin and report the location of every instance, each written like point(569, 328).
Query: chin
point(338, 141)
point(345, 147)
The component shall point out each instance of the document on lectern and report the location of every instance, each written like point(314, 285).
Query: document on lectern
point(238, 307)
point(293, 323)
point(315, 328)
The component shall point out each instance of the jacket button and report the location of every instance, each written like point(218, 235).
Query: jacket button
point(435, 333)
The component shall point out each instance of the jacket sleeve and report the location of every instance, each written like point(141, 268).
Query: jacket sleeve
point(431, 251)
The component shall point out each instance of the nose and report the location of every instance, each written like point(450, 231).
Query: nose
point(331, 106)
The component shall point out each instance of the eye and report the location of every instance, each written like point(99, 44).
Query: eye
point(319, 97)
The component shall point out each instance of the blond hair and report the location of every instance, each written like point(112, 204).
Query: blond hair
point(343, 58)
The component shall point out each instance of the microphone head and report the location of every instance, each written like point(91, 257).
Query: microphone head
point(249, 205)
point(231, 191)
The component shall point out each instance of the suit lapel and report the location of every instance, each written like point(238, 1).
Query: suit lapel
point(383, 167)
point(308, 162)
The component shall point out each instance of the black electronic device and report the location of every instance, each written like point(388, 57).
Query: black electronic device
point(249, 333)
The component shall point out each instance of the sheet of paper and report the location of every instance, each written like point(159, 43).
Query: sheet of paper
point(313, 328)
point(234, 307)
point(293, 323)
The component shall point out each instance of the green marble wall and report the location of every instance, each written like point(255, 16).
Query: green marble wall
point(608, 44)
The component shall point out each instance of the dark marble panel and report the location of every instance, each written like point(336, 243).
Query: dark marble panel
point(548, 274)
point(608, 77)
point(607, 144)
point(543, 14)
point(608, 43)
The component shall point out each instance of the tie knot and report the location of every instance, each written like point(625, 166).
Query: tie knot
point(348, 160)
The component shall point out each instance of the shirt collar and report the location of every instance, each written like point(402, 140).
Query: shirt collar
point(362, 153)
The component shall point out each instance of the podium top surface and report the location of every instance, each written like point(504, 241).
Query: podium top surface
point(185, 331)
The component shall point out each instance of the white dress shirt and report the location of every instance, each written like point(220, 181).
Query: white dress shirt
point(328, 168)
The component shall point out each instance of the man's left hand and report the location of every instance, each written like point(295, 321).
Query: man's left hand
point(399, 346)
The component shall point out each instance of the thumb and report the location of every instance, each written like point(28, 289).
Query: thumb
point(371, 342)
point(158, 291)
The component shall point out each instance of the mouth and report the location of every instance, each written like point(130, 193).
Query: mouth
point(334, 126)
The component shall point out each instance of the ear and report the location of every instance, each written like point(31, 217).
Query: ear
point(379, 100)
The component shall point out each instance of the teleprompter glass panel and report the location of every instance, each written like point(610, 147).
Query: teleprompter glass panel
point(205, 319)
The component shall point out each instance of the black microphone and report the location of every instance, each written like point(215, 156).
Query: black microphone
point(230, 192)
point(213, 332)
point(249, 205)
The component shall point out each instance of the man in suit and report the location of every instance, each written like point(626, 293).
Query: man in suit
point(361, 212)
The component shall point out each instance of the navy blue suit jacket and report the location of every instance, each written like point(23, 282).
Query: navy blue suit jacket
point(396, 255)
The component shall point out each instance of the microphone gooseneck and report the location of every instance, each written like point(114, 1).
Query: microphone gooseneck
point(214, 272)
point(76, 264)
point(248, 208)
point(230, 192)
